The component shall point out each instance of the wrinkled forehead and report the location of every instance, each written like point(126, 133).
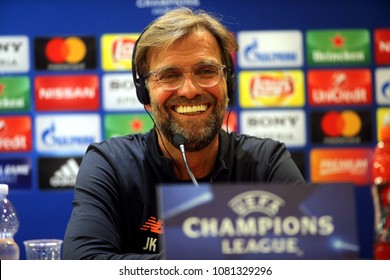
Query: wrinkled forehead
point(198, 47)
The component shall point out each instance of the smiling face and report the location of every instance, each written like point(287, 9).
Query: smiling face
point(191, 110)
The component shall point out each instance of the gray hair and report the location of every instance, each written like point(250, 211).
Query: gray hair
point(178, 24)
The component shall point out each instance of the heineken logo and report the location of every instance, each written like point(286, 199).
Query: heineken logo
point(341, 47)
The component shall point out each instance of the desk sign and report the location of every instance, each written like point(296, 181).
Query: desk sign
point(252, 221)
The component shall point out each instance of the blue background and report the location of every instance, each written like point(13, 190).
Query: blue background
point(44, 214)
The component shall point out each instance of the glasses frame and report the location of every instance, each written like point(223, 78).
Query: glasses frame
point(165, 86)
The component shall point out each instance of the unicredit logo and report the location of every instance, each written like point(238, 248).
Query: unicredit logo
point(2, 127)
point(68, 50)
point(15, 134)
point(339, 87)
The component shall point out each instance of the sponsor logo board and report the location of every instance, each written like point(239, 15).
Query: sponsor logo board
point(70, 53)
point(15, 94)
point(14, 54)
point(58, 134)
point(271, 88)
point(341, 165)
point(380, 116)
point(339, 87)
point(119, 93)
point(382, 46)
point(67, 93)
point(270, 49)
point(382, 86)
point(58, 173)
point(341, 127)
point(124, 124)
point(338, 47)
point(287, 126)
point(117, 51)
point(15, 134)
point(16, 172)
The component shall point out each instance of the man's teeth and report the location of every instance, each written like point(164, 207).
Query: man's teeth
point(190, 109)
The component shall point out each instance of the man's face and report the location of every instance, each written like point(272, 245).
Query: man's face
point(194, 111)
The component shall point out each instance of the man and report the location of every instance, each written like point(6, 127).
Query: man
point(184, 75)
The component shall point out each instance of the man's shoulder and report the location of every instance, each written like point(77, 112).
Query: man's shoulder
point(250, 140)
point(132, 143)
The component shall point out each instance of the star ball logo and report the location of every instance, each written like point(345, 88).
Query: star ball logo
point(65, 53)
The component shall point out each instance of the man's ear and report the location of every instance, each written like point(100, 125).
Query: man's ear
point(148, 107)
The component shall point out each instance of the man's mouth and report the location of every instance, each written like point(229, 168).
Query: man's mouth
point(190, 109)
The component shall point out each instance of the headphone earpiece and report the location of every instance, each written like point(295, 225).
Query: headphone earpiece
point(139, 82)
point(231, 80)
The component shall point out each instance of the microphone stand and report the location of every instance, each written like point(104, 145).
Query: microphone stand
point(179, 141)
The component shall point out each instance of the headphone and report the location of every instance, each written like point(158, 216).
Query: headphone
point(143, 93)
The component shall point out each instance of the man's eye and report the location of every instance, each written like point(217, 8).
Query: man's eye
point(169, 75)
point(207, 71)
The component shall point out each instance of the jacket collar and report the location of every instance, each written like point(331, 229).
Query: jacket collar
point(164, 166)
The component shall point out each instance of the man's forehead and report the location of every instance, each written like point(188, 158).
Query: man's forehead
point(198, 47)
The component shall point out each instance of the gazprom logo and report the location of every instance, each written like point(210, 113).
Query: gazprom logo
point(382, 85)
point(256, 201)
point(253, 54)
point(270, 49)
point(50, 139)
point(67, 133)
point(386, 90)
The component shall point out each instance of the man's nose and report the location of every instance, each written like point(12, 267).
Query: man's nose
point(189, 87)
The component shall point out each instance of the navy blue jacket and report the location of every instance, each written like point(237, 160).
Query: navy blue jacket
point(114, 209)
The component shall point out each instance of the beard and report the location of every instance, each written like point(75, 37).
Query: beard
point(199, 132)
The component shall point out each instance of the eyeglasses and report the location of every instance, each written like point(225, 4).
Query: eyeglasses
point(205, 75)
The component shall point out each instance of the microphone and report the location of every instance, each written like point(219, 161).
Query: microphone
point(179, 141)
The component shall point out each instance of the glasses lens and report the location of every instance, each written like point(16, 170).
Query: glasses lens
point(207, 75)
point(169, 78)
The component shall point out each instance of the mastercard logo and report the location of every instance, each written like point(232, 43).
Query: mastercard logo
point(70, 50)
point(346, 123)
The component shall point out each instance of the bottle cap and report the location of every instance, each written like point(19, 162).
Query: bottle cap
point(4, 189)
point(386, 119)
point(385, 131)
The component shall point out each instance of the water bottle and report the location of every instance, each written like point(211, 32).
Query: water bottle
point(381, 193)
point(9, 225)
